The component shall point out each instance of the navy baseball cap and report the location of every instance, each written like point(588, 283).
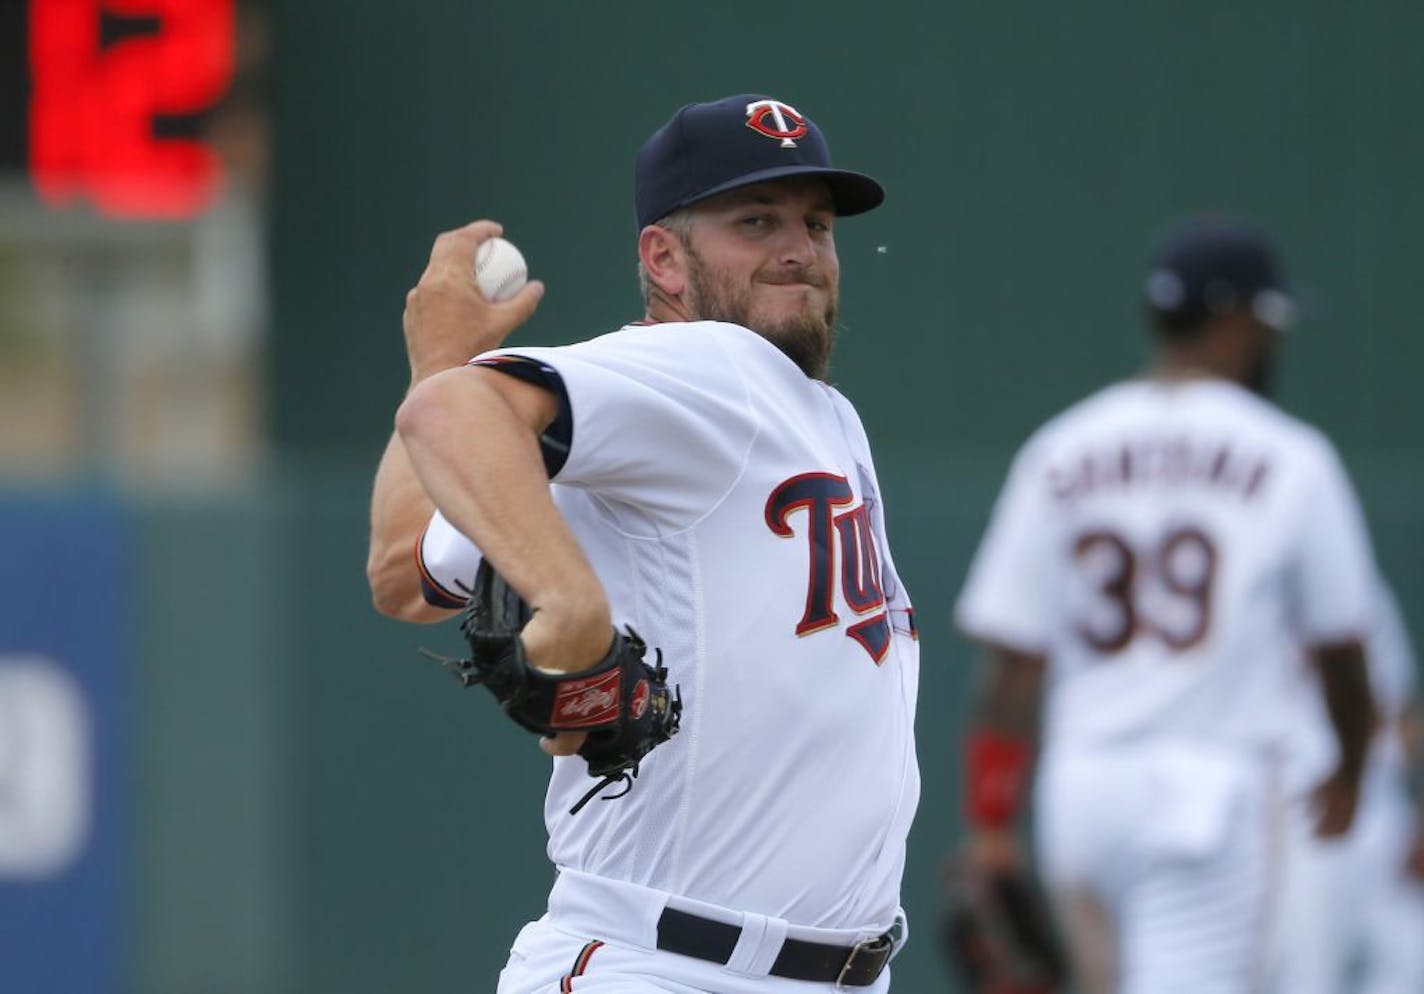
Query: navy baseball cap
point(710, 148)
point(1212, 266)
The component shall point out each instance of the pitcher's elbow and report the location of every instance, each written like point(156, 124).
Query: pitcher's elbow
point(392, 584)
point(428, 403)
point(396, 593)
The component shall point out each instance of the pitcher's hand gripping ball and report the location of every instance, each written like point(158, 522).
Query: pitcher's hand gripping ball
point(622, 702)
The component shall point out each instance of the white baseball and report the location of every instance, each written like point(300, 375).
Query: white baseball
point(499, 269)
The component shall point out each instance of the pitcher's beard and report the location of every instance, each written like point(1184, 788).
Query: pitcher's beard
point(806, 337)
point(806, 340)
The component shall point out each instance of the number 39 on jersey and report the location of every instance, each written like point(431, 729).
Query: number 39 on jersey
point(1160, 589)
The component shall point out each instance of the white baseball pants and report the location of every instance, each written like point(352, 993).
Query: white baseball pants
point(1176, 842)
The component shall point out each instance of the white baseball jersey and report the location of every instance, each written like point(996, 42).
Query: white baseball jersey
point(1168, 546)
point(729, 506)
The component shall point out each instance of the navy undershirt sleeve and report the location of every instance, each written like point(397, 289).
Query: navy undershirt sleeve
point(554, 443)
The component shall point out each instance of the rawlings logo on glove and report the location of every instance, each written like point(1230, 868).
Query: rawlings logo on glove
point(621, 702)
point(581, 704)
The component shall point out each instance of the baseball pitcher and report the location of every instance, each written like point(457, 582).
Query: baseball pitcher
point(689, 515)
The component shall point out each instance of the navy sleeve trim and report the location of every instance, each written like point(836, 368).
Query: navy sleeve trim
point(558, 438)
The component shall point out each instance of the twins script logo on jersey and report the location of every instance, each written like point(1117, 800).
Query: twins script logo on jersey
point(785, 122)
point(819, 494)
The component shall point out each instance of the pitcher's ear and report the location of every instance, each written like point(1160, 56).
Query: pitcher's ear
point(664, 259)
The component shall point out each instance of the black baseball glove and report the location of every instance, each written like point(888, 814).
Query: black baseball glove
point(997, 932)
point(621, 702)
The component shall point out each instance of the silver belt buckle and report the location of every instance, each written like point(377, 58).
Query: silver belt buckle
point(881, 944)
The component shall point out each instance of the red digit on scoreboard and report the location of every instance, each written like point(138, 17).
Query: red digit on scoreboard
point(93, 107)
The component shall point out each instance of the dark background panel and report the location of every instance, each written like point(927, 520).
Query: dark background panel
point(14, 86)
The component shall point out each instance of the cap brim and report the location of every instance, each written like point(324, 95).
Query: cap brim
point(852, 193)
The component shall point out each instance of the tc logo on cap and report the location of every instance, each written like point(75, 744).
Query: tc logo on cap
point(785, 122)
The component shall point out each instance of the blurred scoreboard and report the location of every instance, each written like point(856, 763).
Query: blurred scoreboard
point(104, 101)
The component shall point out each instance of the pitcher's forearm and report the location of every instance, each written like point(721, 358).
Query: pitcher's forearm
point(472, 438)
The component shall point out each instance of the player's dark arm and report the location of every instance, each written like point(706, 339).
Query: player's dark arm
point(1000, 747)
point(1411, 735)
point(1011, 693)
point(1411, 739)
point(1345, 682)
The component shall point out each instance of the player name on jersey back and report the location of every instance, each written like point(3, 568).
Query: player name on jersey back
point(1162, 462)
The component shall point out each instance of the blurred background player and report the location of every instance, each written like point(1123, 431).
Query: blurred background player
point(1157, 556)
point(1352, 911)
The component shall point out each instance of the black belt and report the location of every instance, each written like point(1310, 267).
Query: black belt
point(845, 966)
